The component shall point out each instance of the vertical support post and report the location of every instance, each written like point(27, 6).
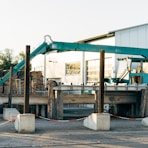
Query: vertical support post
point(37, 110)
point(115, 109)
point(51, 106)
point(45, 71)
point(3, 89)
point(83, 68)
point(96, 107)
point(101, 89)
point(143, 102)
point(146, 105)
point(132, 109)
point(60, 104)
point(50, 103)
point(10, 88)
point(26, 80)
point(18, 86)
point(143, 105)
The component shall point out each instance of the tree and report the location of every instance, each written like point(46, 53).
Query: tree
point(20, 57)
point(7, 59)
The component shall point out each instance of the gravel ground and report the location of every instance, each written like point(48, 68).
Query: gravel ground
point(123, 134)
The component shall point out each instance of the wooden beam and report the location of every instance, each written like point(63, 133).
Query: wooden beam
point(109, 97)
point(78, 99)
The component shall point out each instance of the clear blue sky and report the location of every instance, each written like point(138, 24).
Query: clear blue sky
point(25, 22)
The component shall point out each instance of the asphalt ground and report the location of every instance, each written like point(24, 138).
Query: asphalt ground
point(122, 134)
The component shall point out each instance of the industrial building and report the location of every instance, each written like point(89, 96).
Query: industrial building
point(76, 65)
point(82, 67)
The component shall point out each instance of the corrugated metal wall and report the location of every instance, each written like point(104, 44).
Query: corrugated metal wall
point(133, 37)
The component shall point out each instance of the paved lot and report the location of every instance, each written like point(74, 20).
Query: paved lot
point(123, 134)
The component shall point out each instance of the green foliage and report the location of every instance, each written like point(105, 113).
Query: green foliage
point(7, 59)
point(20, 57)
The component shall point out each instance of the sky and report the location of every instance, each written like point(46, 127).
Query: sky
point(26, 22)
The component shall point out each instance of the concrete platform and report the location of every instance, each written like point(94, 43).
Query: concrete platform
point(10, 113)
point(144, 121)
point(25, 123)
point(98, 121)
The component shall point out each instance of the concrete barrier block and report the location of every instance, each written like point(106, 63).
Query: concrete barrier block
point(98, 121)
point(145, 121)
point(25, 123)
point(10, 113)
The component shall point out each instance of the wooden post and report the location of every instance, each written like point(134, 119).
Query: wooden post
point(101, 88)
point(146, 103)
point(146, 106)
point(60, 104)
point(10, 88)
point(26, 80)
point(96, 109)
point(132, 109)
point(115, 109)
point(144, 98)
point(51, 106)
point(37, 110)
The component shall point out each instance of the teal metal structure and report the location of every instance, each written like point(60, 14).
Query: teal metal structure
point(66, 46)
point(40, 50)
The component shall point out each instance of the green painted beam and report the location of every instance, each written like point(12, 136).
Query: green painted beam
point(65, 46)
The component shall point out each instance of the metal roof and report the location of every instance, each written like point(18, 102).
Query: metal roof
point(129, 28)
point(107, 35)
point(96, 38)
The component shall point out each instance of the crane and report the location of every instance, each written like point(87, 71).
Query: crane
point(46, 47)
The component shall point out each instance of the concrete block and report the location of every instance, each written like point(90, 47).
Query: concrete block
point(144, 121)
point(25, 123)
point(10, 113)
point(98, 121)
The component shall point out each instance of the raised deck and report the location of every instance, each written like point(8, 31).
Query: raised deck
point(79, 94)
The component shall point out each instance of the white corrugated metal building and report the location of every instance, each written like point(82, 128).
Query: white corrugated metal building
point(135, 36)
point(80, 67)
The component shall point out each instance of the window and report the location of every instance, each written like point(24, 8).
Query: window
point(72, 68)
point(92, 70)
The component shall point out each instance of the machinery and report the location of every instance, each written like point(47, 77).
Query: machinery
point(132, 70)
point(66, 46)
point(139, 70)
